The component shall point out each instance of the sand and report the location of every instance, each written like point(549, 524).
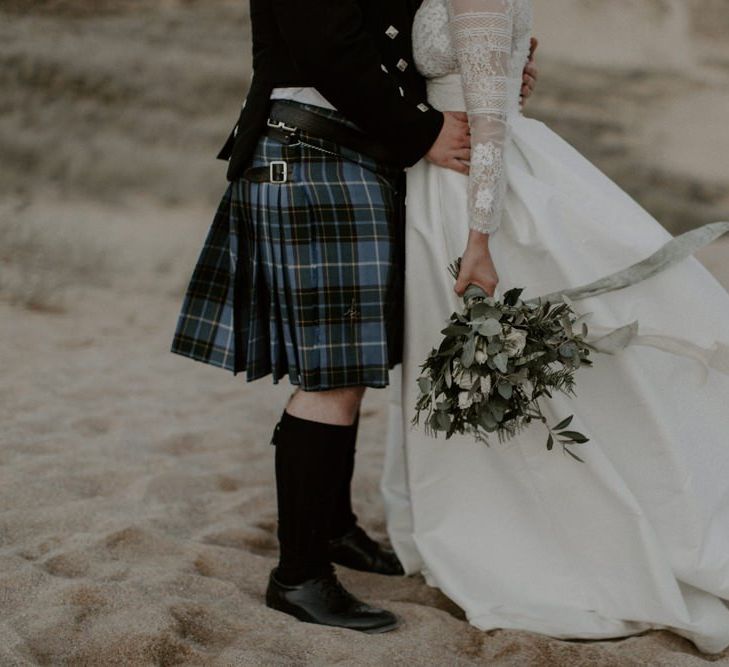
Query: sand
point(137, 513)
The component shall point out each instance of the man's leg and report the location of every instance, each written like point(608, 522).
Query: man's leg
point(311, 466)
point(311, 462)
point(350, 545)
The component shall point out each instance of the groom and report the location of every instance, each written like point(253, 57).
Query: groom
point(355, 57)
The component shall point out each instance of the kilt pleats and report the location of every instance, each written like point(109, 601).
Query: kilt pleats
point(304, 278)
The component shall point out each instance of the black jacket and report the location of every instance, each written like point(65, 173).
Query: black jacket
point(356, 53)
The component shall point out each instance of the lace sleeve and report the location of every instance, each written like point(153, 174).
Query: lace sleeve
point(482, 35)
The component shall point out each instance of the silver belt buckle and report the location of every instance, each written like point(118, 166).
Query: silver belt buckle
point(278, 171)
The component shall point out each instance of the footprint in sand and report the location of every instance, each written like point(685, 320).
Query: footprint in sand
point(41, 549)
point(87, 602)
point(180, 444)
point(70, 565)
point(206, 566)
point(252, 539)
point(137, 543)
point(201, 625)
point(228, 484)
point(268, 524)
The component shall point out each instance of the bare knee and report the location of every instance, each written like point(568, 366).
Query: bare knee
point(333, 406)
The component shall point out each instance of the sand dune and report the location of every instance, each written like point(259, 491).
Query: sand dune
point(136, 506)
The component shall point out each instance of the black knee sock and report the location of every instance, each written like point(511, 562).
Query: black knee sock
point(344, 518)
point(311, 462)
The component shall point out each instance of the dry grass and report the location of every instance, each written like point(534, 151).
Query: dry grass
point(39, 260)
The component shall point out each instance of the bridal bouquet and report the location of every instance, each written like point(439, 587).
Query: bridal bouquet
point(498, 358)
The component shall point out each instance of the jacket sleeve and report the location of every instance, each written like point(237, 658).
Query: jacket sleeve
point(331, 48)
point(482, 35)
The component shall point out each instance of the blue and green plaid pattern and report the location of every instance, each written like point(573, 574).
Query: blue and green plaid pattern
point(303, 278)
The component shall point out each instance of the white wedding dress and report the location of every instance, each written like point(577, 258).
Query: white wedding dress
point(637, 537)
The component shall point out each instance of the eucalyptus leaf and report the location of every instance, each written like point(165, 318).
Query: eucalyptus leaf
point(456, 330)
point(501, 361)
point(497, 411)
point(490, 327)
point(505, 389)
point(469, 352)
point(444, 421)
point(494, 347)
point(488, 422)
point(483, 310)
point(568, 349)
point(425, 385)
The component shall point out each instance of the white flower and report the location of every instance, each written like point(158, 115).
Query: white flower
point(466, 378)
point(481, 354)
point(464, 400)
point(485, 385)
point(514, 342)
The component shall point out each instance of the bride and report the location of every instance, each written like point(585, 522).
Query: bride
point(635, 538)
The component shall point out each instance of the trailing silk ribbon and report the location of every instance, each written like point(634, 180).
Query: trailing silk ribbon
point(610, 341)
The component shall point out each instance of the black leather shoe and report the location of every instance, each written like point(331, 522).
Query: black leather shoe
point(358, 551)
point(325, 601)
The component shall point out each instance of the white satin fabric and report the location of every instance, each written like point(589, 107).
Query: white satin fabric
point(638, 536)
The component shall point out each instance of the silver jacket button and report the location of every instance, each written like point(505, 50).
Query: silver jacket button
point(423, 107)
point(392, 32)
point(402, 65)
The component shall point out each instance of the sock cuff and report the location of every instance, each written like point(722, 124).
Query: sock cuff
point(306, 429)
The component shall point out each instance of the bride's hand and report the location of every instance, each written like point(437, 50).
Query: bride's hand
point(477, 267)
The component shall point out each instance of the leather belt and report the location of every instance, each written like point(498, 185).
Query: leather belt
point(288, 118)
point(277, 171)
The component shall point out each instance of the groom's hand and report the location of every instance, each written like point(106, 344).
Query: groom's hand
point(452, 148)
point(530, 74)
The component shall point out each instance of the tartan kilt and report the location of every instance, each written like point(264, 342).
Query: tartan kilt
point(302, 279)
